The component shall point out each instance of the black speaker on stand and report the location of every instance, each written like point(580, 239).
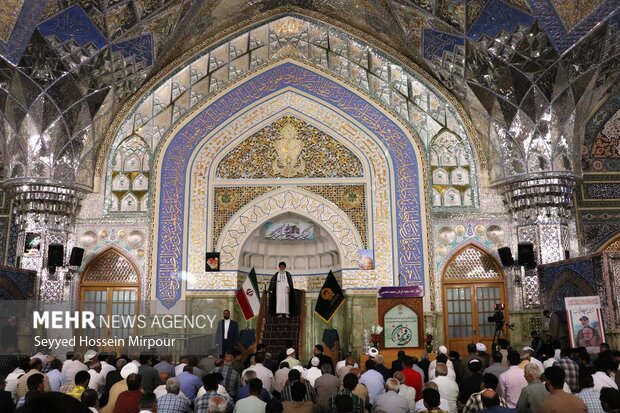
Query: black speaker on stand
point(55, 257)
point(506, 256)
point(526, 255)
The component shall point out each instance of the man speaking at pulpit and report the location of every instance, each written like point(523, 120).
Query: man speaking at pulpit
point(281, 293)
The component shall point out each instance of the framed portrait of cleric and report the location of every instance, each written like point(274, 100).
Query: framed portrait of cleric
point(367, 261)
point(212, 261)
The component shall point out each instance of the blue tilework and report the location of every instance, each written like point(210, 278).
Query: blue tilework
point(498, 16)
point(73, 23)
point(22, 32)
point(562, 39)
point(436, 43)
point(173, 197)
point(585, 269)
point(141, 47)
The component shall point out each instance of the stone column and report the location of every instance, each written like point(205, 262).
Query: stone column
point(46, 212)
point(543, 214)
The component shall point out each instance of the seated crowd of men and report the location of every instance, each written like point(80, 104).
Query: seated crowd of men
point(504, 381)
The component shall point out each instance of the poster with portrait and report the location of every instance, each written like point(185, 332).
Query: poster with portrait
point(367, 261)
point(212, 261)
point(585, 324)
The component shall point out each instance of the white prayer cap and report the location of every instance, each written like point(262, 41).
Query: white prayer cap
point(373, 352)
point(481, 347)
point(129, 368)
point(443, 349)
point(89, 355)
point(315, 361)
point(290, 351)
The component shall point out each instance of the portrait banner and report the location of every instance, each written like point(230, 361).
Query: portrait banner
point(585, 324)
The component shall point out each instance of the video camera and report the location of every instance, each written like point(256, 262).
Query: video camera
point(498, 317)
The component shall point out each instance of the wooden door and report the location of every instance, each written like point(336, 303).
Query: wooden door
point(108, 301)
point(467, 308)
point(110, 286)
point(473, 283)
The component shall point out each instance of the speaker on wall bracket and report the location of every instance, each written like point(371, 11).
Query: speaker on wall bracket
point(526, 255)
point(505, 255)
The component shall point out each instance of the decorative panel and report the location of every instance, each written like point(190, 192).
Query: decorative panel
point(130, 177)
point(349, 198)
point(450, 168)
point(472, 263)
point(614, 246)
point(228, 200)
point(289, 148)
point(110, 267)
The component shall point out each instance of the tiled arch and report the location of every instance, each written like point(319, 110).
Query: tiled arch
point(173, 159)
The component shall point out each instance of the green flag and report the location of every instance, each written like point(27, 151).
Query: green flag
point(330, 298)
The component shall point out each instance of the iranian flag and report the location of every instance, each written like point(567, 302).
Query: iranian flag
point(248, 296)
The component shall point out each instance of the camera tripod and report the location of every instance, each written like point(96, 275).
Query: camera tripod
point(499, 329)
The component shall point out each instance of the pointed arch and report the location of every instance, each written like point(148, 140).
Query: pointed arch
point(569, 283)
point(292, 199)
point(175, 157)
point(97, 270)
point(612, 244)
point(471, 262)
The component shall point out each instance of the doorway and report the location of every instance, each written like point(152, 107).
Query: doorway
point(473, 283)
point(110, 286)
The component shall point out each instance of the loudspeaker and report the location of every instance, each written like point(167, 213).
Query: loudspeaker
point(55, 255)
point(77, 254)
point(506, 256)
point(526, 255)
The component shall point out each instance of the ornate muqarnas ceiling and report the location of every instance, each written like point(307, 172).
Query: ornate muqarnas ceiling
point(530, 73)
point(65, 68)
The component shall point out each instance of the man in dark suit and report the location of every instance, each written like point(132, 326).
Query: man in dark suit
point(227, 334)
point(6, 402)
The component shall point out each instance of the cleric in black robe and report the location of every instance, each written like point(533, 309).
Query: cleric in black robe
point(281, 302)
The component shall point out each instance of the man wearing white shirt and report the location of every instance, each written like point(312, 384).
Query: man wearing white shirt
point(97, 381)
point(262, 372)
point(105, 366)
point(70, 368)
point(313, 372)
point(252, 403)
point(443, 403)
point(441, 359)
point(343, 362)
point(601, 379)
point(407, 392)
point(448, 389)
